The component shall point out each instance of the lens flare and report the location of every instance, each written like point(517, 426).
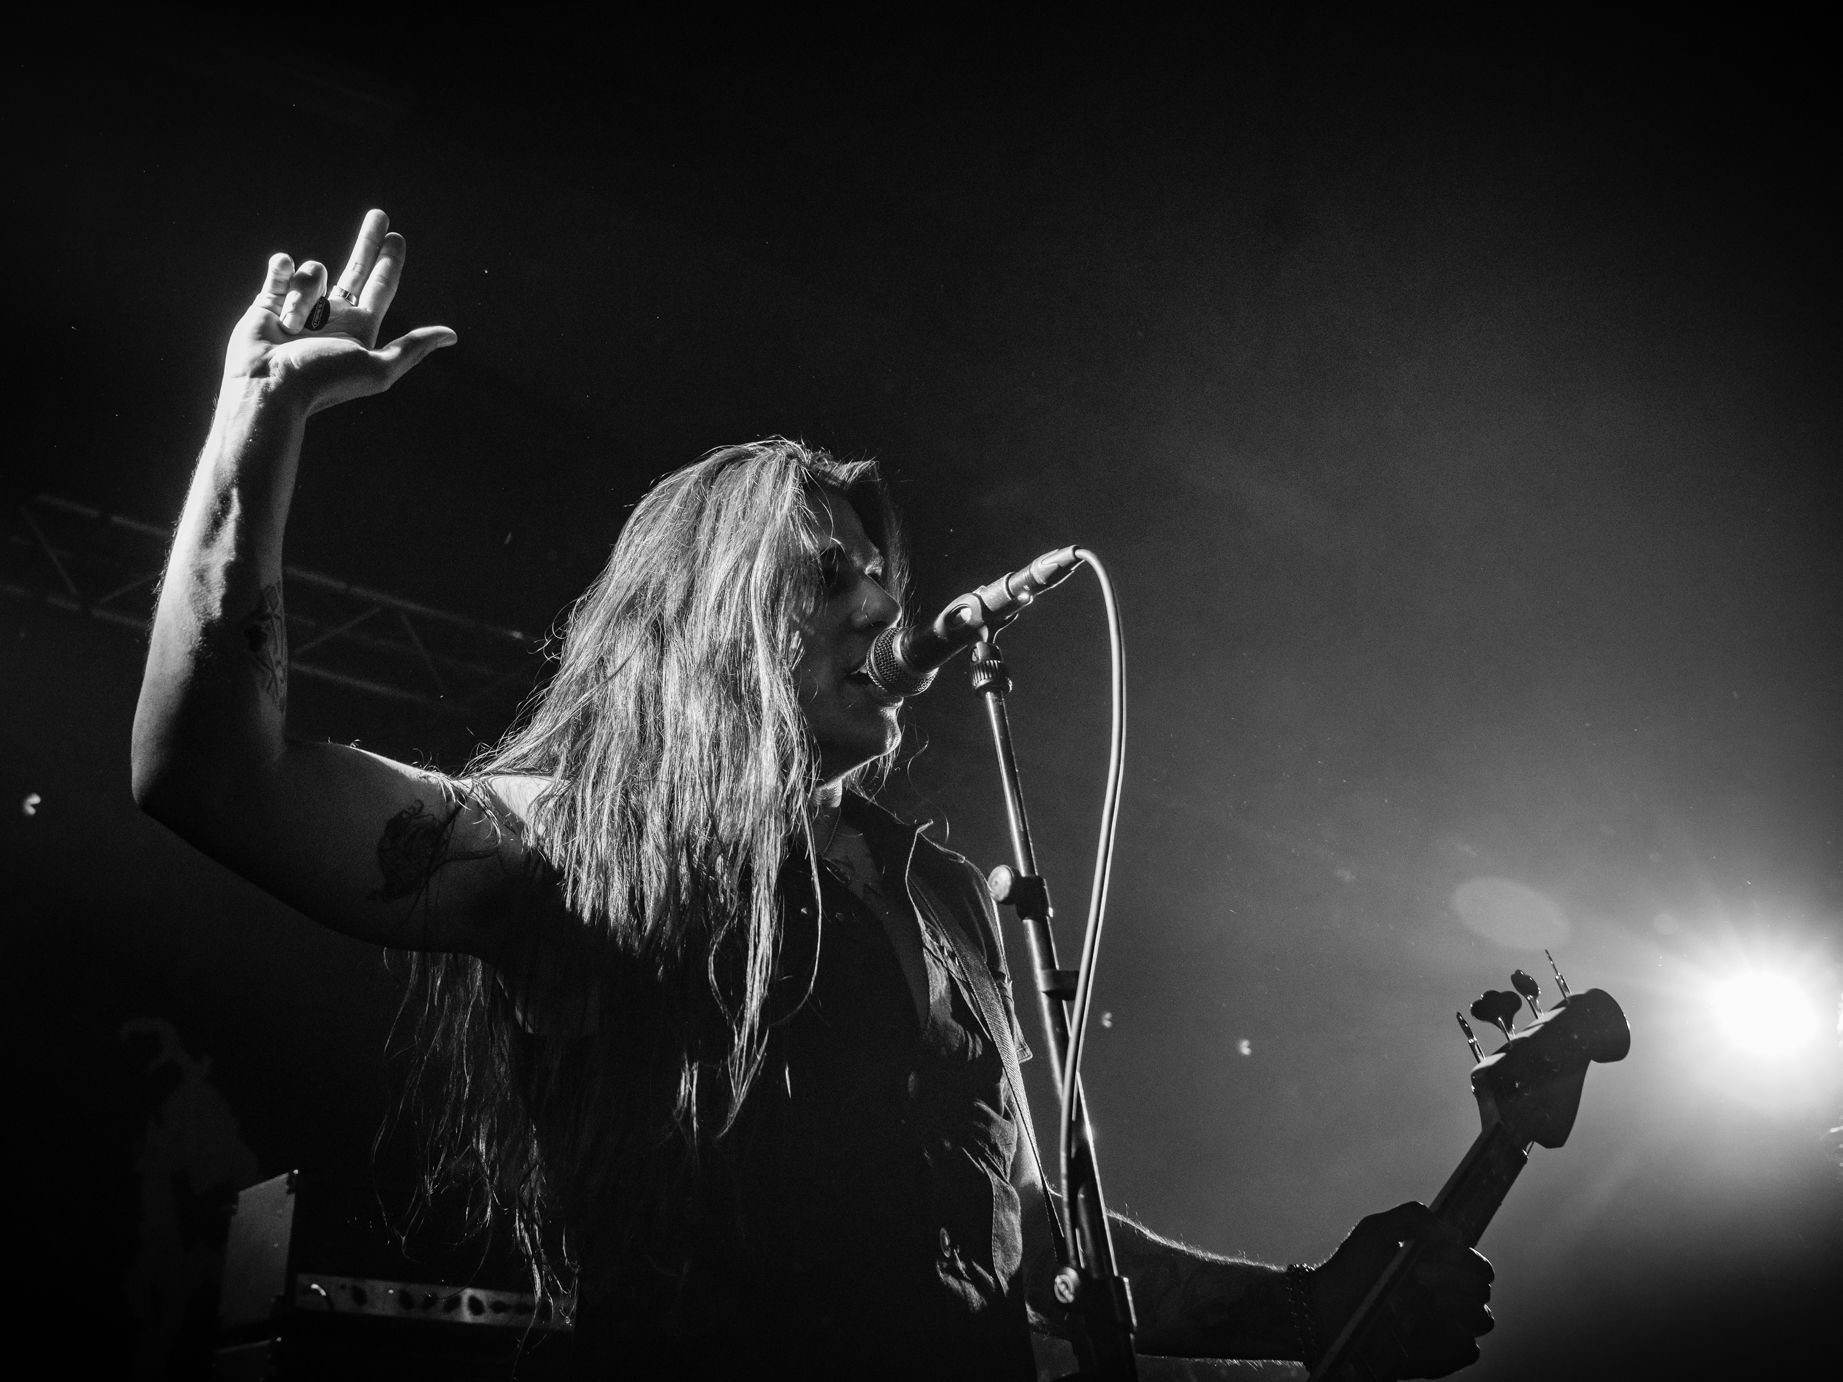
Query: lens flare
point(1765, 1013)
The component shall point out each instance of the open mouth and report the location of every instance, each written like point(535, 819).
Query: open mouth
point(861, 679)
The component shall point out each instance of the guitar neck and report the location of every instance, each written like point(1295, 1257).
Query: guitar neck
point(1467, 1201)
point(1479, 1183)
point(1532, 1085)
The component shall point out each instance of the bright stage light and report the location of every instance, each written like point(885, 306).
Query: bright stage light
point(1765, 1013)
point(1746, 1018)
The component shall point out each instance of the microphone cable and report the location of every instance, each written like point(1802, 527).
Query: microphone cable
point(1103, 867)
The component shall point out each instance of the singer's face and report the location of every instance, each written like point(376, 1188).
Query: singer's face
point(851, 723)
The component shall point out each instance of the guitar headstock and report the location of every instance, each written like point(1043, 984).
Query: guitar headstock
point(1528, 1091)
point(1532, 1084)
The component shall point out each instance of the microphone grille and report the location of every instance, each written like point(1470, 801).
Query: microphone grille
point(889, 672)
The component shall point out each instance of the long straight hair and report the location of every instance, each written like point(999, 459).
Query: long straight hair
point(678, 775)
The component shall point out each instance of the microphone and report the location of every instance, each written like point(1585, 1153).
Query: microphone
point(903, 660)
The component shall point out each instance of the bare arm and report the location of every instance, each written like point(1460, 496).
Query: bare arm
point(1193, 1304)
point(370, 847)
point(1186, 1303)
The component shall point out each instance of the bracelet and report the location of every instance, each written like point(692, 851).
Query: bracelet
point(1298, 1281)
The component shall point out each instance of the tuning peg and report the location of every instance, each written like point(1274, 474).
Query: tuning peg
point(1497, 1006)
point(1560, 982)
point(1531, 991)
point(1470, 1040)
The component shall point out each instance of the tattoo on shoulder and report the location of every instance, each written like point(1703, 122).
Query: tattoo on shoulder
point(265, 637)
point(413, 846)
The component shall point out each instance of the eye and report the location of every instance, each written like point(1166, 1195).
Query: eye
point(832, 571)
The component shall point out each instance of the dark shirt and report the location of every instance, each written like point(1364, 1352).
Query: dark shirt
point(859, 1220)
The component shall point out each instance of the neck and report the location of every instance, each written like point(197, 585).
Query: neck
point(828, 801)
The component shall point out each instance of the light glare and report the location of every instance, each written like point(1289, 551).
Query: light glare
point(1765, 1014)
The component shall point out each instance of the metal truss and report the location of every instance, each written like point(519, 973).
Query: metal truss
point(88, 561)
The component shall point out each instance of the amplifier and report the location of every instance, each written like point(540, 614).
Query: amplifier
point(318, 1280)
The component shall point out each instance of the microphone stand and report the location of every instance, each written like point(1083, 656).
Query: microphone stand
point(1088, 1283)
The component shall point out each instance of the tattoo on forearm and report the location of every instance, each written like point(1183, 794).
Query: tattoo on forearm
point(265, 636)
point(413, 846)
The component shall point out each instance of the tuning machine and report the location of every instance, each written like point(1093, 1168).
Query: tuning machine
point(1497, 1006)
point(1470, 1040)
point(1560, 982)
point(1530, 989)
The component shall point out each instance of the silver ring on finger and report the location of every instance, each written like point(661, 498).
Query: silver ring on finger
point(347, 294)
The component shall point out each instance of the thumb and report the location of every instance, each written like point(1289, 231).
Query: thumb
point(402, 355)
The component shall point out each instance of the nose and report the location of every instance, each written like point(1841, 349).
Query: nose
point(877, 608)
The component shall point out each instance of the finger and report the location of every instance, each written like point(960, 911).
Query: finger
point(1444, 1358)
point(1457, 1279)
point(381, 287)
point(1455, 1267)
point(1433, 1235)
point(1416, 1345)
point(275, 285)
point(306, 286)
point(402, 355)
point(364, 254)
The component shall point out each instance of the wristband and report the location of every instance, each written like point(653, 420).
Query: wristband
point(1298, 1282)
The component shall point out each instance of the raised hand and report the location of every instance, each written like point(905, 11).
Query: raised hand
point(318, 345)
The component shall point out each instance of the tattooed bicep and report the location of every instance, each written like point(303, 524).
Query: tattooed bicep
point(418, 842)
point(409, 849)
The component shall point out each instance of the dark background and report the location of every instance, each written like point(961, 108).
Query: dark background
point(1454, 402)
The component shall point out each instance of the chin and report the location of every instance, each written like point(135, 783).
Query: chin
point(859, 754)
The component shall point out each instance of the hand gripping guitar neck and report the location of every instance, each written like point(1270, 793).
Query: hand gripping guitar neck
point(1528, 1092)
